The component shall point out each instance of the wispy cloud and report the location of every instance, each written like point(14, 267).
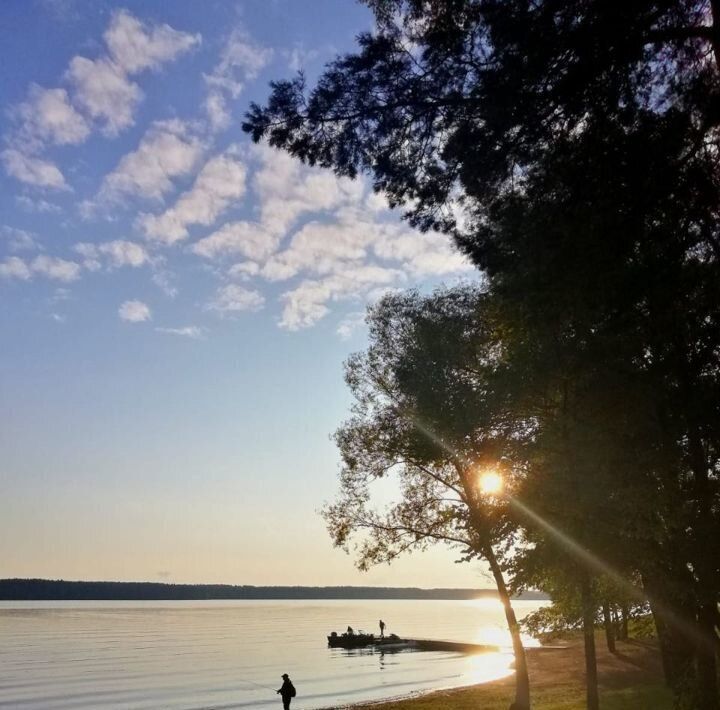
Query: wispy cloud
point(55, 268)
point(135, 46)
point(233, 299)
point(220, 183)
point(241, 61)
point(101, 95)
point(189, 331)
point(113, 254)
point(48, 115)
point(169, 149)
point(19, 239)
point(30, 204)
point(134, 312)
point(322, 240)
point(33, 171)
point(13, 267)
point(50, 267)
point(350, 324)
point(248, 239)
point(306, 304)
point(348, 250)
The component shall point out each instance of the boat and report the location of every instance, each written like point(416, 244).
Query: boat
point(361, 640)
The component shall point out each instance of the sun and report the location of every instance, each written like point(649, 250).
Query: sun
point(491, 483)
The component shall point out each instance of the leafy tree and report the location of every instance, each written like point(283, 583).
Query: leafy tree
point(579, 142)
point(422, 414)
point(457, 99)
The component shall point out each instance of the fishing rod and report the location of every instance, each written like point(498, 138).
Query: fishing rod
point(259, 685)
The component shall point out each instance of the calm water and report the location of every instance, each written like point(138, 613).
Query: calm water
point(209, 654)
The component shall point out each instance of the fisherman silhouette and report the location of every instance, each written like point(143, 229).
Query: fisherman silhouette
point(287, 691)
point(382, 629)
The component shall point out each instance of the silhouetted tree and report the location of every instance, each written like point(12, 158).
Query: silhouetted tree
point(571, 149)
point(423, 415)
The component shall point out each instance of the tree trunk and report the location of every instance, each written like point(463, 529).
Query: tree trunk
point(676, 649)
point(705, 566)
point(708, 698)
point(591, 677)
point(609, 627)
point(625, 617)
point(522, 682)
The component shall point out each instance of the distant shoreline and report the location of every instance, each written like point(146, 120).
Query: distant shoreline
point(59, 590)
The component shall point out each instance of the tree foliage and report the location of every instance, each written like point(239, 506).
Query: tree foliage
point(571, 149)
point(423, 417)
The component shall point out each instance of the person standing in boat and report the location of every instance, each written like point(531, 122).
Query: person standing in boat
point(350, 631)
point(382, 629)
point(287, 691)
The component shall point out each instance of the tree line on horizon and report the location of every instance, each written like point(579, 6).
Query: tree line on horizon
point(60, 589)
point(570, 149)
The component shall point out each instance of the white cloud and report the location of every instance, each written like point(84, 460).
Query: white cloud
point(351, 323)
point(217, 186)
point(167, 150)
point(287, 189)
point(136, 46)
point(51, 267)
point(298, 57)
point(323, 248)
point(306, 304)
point(248, 239)
point(164, 281)
point(55, 268)
point(244, 270)
point(188, 331)
point(134, 312)
point(102, 87)
point(19, 239)
point(103, 90)
point(30, 204)
point(33, 171)
point(428, 254)
point(217, 111)
point(116, 254)
point(350, 249)
point(240, 62)
point(376, 201)
point(48, 115)
point(235, 299)
point(14, 268)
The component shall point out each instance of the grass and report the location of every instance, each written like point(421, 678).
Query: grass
point(630, 679)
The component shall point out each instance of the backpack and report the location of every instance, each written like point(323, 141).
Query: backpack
point(293, 692)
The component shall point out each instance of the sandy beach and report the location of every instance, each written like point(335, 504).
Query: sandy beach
point(630, 679)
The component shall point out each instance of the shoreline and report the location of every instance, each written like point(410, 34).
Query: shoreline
point(629, 679)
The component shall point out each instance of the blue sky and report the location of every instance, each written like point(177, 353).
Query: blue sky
point(175, 303)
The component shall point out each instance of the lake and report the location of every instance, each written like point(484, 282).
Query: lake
point(186, 655)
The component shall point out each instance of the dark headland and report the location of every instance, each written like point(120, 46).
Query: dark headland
point(59, 589)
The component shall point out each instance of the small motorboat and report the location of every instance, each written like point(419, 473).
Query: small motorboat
point(359, 640)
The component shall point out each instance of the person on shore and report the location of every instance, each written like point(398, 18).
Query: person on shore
point(287, 691)
point(382, 629)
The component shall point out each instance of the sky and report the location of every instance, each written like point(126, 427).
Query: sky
point(176, 303)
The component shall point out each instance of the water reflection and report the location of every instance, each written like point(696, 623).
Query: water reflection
point(181, 655)
point(485, 667)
